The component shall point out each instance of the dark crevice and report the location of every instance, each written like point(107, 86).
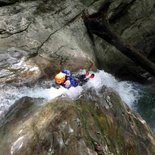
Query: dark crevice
point(2, 4)
point(152, 55)
point(102, 10)
point(120, 11)
point(73, 19)
point(3, 32)
point(47, 39)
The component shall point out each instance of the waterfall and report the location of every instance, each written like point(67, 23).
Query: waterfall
point(127, 90)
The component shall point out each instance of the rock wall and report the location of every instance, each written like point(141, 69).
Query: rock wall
point(133, 21)
point(52, 33)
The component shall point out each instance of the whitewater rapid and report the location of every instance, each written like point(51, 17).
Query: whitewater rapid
point(127, 90)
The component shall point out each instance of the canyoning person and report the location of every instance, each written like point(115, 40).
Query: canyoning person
point(67, 80)
point(83, 77)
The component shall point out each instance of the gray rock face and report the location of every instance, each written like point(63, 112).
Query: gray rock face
point(15, 68)
point(52, 29)
point(134, 22)
point(55, 31)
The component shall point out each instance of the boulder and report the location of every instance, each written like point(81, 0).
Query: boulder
point(94, 124)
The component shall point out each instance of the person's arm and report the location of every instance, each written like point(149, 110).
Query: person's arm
point(67, 84)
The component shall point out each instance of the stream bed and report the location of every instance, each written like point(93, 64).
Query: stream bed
point(138, 98)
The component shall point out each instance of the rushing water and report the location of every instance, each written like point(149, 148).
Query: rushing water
point(137, 97)
point(9, 93)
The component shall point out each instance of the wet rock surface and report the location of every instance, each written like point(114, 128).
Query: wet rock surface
point(91, 125)
point(20, 110)
point(15, 68)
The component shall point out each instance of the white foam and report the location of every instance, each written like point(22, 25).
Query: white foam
point(52, 92)
point(127, 90)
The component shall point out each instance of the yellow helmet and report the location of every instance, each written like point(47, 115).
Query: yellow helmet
point(60, 78)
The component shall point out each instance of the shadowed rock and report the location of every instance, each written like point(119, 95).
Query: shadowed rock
point(133, 22)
